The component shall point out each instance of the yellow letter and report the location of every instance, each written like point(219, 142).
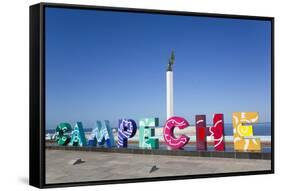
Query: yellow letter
point(243, 132)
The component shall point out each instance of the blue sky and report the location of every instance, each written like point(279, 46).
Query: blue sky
point(111, 65)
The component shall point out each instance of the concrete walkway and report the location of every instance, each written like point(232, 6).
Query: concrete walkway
point(109, 166)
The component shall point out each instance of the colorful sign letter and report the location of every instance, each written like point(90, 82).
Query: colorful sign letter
point(242, 132)
point(126, 129)
point(78, 136)
point(61, 137)
point(171, 140)
point(146, 133)
point(201, 132)
point(102, 134)
point(218, 132)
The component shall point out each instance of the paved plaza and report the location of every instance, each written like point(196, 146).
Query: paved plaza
point(108, 166)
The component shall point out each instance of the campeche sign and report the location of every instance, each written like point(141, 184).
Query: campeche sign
point(102, 134)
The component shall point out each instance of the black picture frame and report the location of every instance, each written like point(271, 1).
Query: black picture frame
point(37, 94)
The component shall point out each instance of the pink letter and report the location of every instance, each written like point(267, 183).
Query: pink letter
point(171, 140)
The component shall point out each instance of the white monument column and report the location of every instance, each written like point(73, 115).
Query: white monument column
point(169, 87)
point(169, 93)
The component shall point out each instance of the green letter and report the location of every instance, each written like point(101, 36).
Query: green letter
point(78, 136)
point(146, 133)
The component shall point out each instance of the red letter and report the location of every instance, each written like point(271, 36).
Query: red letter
point(201, 132)
point(217, 131)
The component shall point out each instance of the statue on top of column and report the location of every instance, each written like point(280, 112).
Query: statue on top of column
point(171, 61)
